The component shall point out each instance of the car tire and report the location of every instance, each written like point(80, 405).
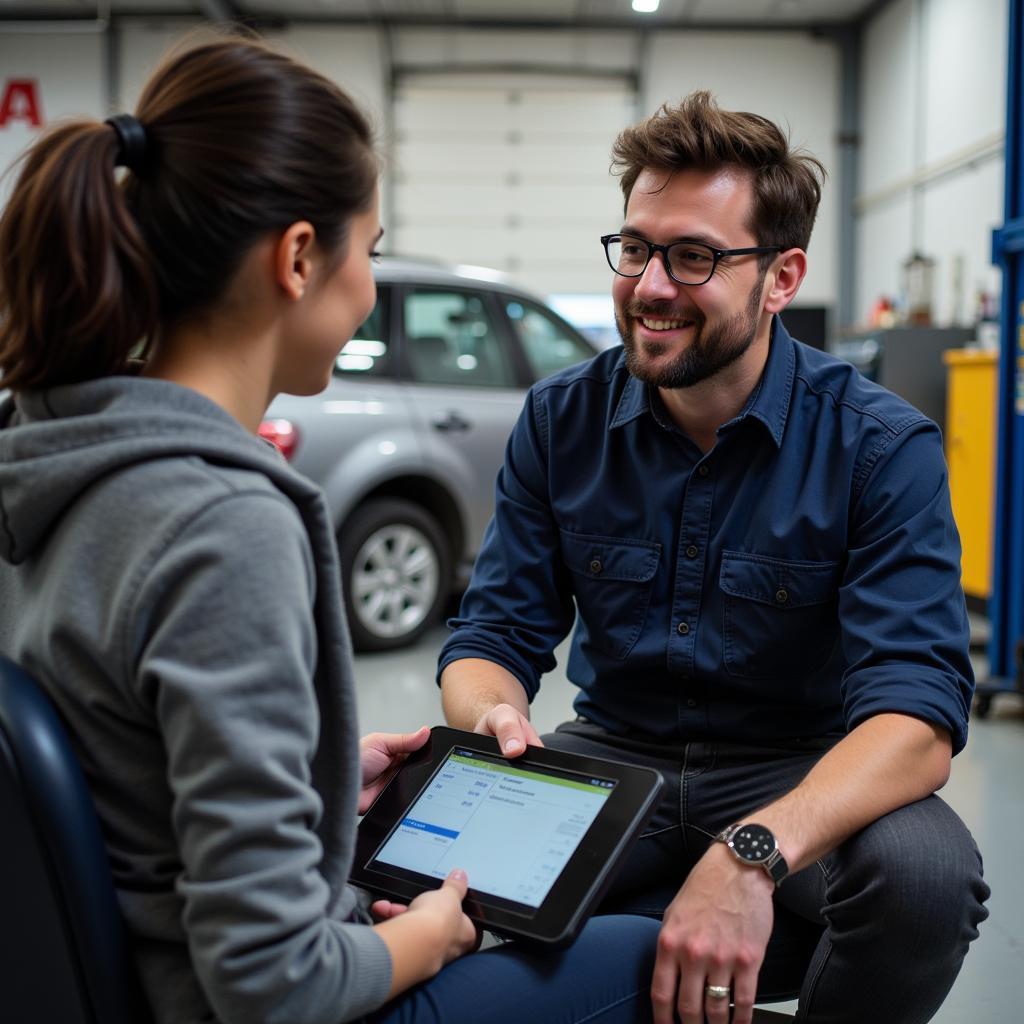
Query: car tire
point(396, 573)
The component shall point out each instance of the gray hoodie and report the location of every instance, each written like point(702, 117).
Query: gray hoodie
point(173, 585)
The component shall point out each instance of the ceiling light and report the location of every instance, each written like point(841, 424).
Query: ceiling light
point(646, 6)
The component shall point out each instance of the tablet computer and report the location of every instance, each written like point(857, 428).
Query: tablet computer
point(540, 836)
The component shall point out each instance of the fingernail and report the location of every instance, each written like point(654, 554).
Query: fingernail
point(458, 874)
point(512, 745)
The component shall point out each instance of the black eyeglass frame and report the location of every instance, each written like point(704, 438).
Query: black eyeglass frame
point(654, 247)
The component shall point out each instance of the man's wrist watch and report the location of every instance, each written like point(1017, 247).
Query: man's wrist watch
point(755, 845)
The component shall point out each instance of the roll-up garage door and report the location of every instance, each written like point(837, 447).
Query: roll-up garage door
point(509, 171)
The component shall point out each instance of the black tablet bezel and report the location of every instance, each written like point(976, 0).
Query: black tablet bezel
point(583, 880)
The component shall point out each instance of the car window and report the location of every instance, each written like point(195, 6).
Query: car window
point(548, 345)
point(366, 353)
point(451, 339)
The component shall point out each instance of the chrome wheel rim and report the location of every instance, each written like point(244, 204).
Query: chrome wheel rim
point(395, 576)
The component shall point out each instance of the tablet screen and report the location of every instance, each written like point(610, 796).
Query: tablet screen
point(511, 829)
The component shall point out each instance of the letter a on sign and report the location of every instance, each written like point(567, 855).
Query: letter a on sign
point(20, 102)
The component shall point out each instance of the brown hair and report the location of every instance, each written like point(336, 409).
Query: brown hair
point(697, 134)
point(239, 141)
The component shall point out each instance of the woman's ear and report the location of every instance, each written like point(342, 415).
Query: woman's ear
point(784, 280)
point(295, 258)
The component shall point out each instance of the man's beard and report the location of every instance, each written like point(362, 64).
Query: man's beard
point(710, 351)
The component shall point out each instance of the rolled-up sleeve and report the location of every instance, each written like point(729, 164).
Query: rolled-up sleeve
point(519, 603)
point(901, 606)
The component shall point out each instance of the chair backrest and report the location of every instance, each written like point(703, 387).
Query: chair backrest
point(64, 954)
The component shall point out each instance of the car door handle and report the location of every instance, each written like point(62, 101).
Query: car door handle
point(451, 421)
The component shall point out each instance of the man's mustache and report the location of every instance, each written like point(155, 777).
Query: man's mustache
point(662, 311)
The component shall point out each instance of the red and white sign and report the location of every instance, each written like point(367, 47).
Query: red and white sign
point(19, 103)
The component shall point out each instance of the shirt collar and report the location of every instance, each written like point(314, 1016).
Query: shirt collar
point(633, 401)
point(769, 402)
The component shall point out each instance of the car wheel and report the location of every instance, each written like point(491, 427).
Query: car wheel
point(396, 570)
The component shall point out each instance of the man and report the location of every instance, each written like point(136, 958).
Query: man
point(765, 571)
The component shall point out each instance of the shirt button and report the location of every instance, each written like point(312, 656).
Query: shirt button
point(691, 551)
point(781, 595)
point(702, 470)
point(682, 629)
point(596, 567)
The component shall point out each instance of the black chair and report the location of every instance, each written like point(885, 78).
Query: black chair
point(64, 954)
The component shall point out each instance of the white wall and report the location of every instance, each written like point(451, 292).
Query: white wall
point(509, 168)
point(509, 171)
point(437, 48)
point(790, 77)
point(933, 82)
point(350, 56)
point(802, 72)
point(67, 72)
point(932, 89)
point(141, 45)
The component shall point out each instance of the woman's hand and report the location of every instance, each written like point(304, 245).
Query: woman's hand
point(445, 904)
point(384, 910)
point(429, 933)
point(379, 753)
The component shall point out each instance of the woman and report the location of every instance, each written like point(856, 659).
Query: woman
point(173, 583)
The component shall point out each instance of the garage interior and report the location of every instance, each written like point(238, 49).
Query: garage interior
point(496, 120)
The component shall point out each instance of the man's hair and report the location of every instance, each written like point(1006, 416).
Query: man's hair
point(698, 135)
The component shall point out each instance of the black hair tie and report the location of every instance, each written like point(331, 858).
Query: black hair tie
point(132, 137)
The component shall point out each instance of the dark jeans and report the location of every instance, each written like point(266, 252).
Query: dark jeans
point(604, 977)
point(875, 931)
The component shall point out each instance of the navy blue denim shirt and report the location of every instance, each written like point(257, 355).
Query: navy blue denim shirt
point(798, 578)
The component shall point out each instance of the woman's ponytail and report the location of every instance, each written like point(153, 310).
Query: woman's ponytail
point(77, 291)
point(230, 141)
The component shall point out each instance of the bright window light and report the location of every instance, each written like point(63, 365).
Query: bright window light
point(646, 6)
point(364, 347)
point(354, 363)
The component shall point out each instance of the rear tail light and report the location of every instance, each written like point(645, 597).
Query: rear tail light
point(282, 434)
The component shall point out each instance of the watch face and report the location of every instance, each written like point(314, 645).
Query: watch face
point(754, 843)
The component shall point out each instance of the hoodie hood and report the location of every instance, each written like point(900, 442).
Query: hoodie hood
point(102, 641)
point(55, 444)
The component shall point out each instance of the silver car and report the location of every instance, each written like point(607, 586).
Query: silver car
point(408, 437)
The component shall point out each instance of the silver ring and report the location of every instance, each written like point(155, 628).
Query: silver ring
point(717, 991)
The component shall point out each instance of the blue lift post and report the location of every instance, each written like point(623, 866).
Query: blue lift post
point(1006, 606)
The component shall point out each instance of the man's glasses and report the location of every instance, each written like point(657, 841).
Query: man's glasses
point(686, 262)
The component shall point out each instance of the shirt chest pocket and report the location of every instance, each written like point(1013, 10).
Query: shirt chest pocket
point(780, 616)
point(612, 583)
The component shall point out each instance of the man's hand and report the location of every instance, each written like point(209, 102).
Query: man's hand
point(485, 697)
point(510, 727)
point(715, 932)
point(379, 752)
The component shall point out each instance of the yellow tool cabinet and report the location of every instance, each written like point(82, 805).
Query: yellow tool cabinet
point(971, 399)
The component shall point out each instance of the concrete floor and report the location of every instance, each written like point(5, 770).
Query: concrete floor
point(397, 692)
